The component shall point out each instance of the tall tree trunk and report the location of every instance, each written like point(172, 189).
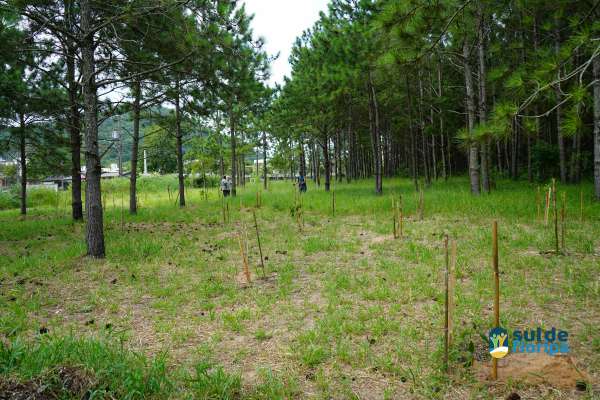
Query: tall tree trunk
point(485, 178)
point(74, 132)
point(559, 135)
point(23, 162)
point(424, 151)
point(233, 149)
point(327, 162)
point(597, 126)
point(413, 145)
point(375, 136)
point(473, 152)
point(93, 198)
point(137, 95)
point(441, 116)
point(179, 139)
point(302, 160)
point(264, 143)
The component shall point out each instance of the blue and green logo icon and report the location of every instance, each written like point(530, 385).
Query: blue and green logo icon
point(498, 340)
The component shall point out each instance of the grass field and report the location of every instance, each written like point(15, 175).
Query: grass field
point(344, 309)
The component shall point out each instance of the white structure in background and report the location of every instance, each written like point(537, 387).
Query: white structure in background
point(145, 163)
point(116, 137)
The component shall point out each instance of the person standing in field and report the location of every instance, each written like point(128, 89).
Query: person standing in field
point(225, 188)
point(301, 184)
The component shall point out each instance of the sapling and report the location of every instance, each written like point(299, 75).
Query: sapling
point(244, 257)
point(262, 262)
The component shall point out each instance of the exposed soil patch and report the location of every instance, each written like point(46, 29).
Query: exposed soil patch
point(535, 369)
point(61, 382)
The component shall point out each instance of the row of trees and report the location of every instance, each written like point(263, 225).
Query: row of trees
point(67, 66)
point(495, 87)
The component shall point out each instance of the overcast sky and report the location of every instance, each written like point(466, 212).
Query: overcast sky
point(280, 22)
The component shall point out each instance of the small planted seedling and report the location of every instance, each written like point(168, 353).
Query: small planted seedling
point(244, 255)
point(262, 261)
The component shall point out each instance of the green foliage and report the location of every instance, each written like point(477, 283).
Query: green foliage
point(105, 368)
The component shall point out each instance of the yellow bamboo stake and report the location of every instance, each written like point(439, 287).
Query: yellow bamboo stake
point(562, 221)
point(244, 258)
point(496, 290)
point(581, 204)
point(538, 200)
point(554, 206)
point(446, 313)
point(451, 286)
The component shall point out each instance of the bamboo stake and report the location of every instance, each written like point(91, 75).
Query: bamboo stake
point(122, 213)
point(446, 314)
point(547, 209)
point(451, 286)
point(581, 204)
point(496, 290)
point(421, 204)
point(538, 200)
point(223, 208)
point(401, 223)
point(262, 262)
point(556, 244)
point(333, 202)
point(257, 200)
point(562, 221)
point(244, 258)
point(395, 217)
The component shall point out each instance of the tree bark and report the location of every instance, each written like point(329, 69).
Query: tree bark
point(74, 132)
point(375, 135)
point(94, 212)
point(559, 135)
point(137, 95)
point(413, 146)
point(233, 148)
point(327, 162)
point(485, 179)
point(23, 162)
point(264, 143)
point(179, 139)
point(473, 152)
point(597, 126)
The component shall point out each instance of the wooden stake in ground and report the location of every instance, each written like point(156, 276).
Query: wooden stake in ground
point(446, 313)
point(538, 200)
point(262, 262)
point(581, 204)
point(244, 257)
point(496, 290)
point(421, 204)
point(122, 213)
point(169, 191)
point(547, 209)
point(395, 217)
point(400, 218)
point(451, 286)
point(562, 220)
point(554, 206)
point(333, 202)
